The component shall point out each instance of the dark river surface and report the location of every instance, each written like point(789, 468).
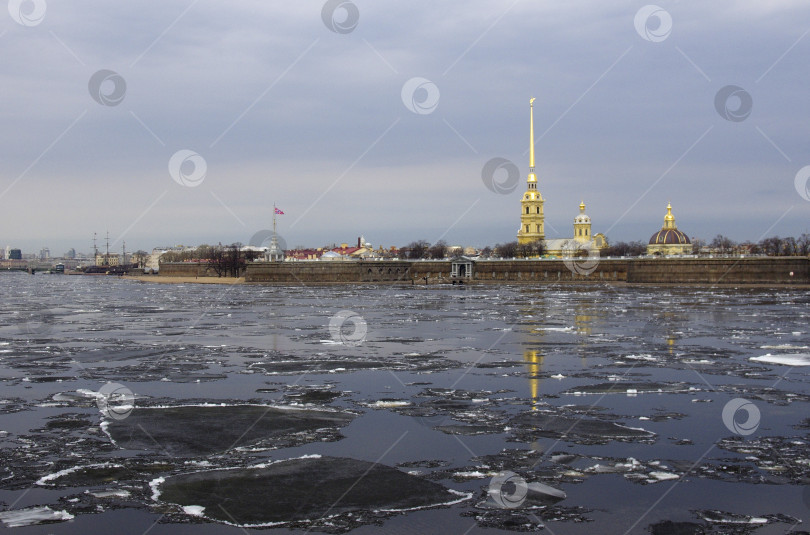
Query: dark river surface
point(131, 408)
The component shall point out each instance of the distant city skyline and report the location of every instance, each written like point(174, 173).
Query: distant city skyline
point(185, 124)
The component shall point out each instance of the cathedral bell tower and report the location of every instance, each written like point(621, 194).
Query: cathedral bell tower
point(582, 225)
point(532, 226)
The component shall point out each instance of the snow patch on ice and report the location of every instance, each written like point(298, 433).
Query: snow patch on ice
point(155, 486)
point(32, 516)
point(663, 476)
point(388, 403)
point(788, 359)
point(556, 329)
point(44, 480)
point(193, 510)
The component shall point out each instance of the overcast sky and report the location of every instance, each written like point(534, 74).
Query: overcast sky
point(314, 106)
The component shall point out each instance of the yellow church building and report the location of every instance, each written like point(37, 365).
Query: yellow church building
point(583, 238)
point(532, 220)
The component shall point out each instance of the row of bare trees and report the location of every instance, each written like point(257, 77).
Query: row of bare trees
point(224, 260)
point(773, 246)
point(423, 249)
point(230, 260)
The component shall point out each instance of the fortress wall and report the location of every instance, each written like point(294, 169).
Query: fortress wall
point(584, 270)
point(185, 269)
point(435, 271)
point(770, 270)
point(308, 272)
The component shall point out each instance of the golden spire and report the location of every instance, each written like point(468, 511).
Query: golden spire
point(669, 219)
point(582, 207)
point(532, 177)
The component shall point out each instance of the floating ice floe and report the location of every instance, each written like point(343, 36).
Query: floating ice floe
point(203, 429)
point(648, 358)
point(114, 493)
point(48, 479)
point(279, 493)
point(387, 403)
point(32, 516)
point(662, 476)
point(556, 329)
point(787, 359)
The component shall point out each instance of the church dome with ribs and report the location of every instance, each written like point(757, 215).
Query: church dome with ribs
point(669, 236)
point(669, 233)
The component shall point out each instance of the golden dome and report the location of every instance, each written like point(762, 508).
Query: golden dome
point(669, 236)
point(669, 233)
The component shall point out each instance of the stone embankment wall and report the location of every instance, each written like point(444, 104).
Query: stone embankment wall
point(778, 270)
point(766, 270)
point(186, 269)
point(433, 271)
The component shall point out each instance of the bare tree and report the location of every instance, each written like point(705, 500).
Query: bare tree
point(748, 247)
point(438, 250)
point(139, 257)
point(528, 250)
point(416, 250)
point(234, 260)
point(506, 250)
point(722, 244)
point(803, 244)
point(771, 246)
point(217, 261)
point(789, 246)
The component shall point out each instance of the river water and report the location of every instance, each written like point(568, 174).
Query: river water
point(641, 404)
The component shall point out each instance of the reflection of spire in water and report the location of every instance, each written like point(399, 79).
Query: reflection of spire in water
point(662, 330)
point(584, 317)
point(583, 323)
point(534, 359)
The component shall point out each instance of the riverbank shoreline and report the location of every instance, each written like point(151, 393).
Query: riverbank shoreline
point(446, 283)
point(165, 279)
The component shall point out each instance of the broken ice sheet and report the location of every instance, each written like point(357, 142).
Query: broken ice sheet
point(787, 359)
point(310, 491)
point(192, 430)
point(527, 426)
point(32, 515)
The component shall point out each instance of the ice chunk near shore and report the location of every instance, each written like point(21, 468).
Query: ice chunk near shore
point(32, 516)
point(787, 359)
